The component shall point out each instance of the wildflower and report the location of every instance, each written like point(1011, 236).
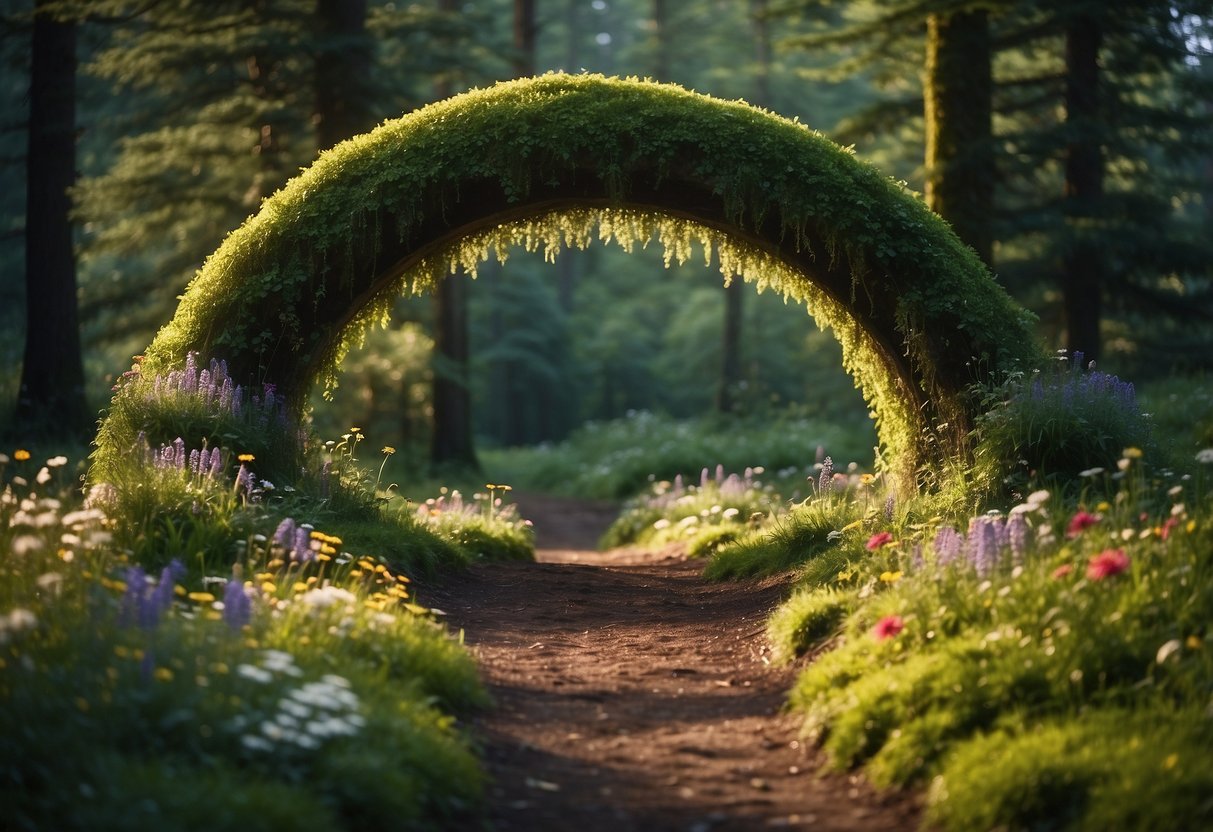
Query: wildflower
point(246, 457)
point(879, 539)
point(327, 596)
point(388, 449)
point(1131, 453)
point(1205, 456)
point(888, 627)
point(21, 455)
point(1168, 650)
point(1091, 472)
point(1061, 571)
point(1080, 522)
point(1107, 563)
point(890, 577)
point(947, 545)
point(825, 482)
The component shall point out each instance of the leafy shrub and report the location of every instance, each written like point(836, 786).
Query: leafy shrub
point(1054, 425)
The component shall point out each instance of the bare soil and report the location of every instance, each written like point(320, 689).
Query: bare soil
point(630, 694)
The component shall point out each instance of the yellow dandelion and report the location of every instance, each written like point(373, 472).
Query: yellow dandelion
point(201, 597)
point(1131, 453)
point(891, 577)
point(299, 586)
point(326, 549)
point(246, 457)
point(323, 558)
point(21, 455)
point(867, 479)
point(355, 430)
point(388, 450)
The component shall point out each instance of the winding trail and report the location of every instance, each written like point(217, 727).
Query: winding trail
point(633, 695)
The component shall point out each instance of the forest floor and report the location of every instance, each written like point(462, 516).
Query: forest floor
point(630, 694)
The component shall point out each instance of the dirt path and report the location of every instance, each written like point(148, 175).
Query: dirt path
point(632, 695)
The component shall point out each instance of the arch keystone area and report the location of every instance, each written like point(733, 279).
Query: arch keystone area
point(554, 160)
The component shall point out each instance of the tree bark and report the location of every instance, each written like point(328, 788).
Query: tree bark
point(452, 442)
point(957, 96)
point(51, 398)
point(1083, 265)
point(524, 38)
point(343, 68)
point(661, 31)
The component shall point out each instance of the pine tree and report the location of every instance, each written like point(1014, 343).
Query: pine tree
point(51, 396)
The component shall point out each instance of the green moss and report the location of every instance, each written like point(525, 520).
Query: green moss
point(546, 161)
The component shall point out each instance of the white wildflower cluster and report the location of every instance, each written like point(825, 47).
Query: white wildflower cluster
point(15, 622)
point(304, 717)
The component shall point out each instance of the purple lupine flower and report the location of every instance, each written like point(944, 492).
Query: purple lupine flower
point(825, 482)
point(195, 460)
point(237, 607)
point(216, 463)
point(134, 599)
point(284, 535)
point(889, 505)
point(244, 481)
point(679, 488)
point(206, 388)
point(225, 396)
point(985, 549)
point(917, 561)
point(703, 479)
point(1017, 537)
point(719, 473)
point(947, 545)
point(204, 462)
point(189, 382)
point(179, 453)
point(301, 551)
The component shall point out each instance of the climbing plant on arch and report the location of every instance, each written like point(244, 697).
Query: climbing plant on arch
point(555, 160)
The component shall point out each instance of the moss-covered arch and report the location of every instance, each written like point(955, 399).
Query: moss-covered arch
point(556, 159)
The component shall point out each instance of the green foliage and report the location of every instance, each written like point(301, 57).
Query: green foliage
point(717, 508)
point(322, 700)
point(808, 619)
point(624, 457)
point(1024, 668)
point(1116, 769)
point(808, 532)
point(1052, 426)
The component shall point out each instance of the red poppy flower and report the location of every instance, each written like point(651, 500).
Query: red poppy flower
point(1107, 563)
point(1080, 522)
point(879, 539)
point(888, 627)
point(1061, 571)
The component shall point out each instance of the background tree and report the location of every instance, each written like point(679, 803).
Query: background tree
point(51, 394)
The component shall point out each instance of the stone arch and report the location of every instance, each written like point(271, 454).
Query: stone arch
point(549, 161)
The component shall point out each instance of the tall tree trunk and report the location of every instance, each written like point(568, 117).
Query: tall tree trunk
point(524, 38)
point(958, 93)
point(661, 31)
point(343, 68)
point(730, 342)
point(51, 398)
point(452, 444)
point(1083, 261)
